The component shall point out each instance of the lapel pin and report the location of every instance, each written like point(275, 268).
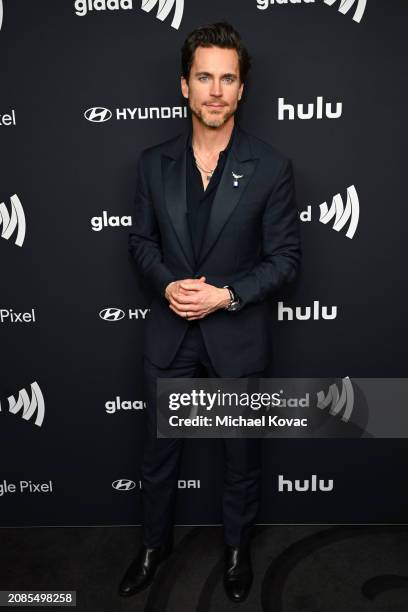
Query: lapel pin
point(236, 179)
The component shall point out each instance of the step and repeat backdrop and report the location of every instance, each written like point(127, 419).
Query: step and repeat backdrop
point(85, 86)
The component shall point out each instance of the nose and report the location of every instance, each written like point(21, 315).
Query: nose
point(216, 88)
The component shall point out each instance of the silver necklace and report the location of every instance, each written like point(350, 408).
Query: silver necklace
point(209, 173)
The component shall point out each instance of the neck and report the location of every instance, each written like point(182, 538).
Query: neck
point(211, 140)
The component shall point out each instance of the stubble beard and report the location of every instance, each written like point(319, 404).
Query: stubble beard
point(214, 123)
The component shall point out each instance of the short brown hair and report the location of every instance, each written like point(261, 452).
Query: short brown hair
point(220, 34)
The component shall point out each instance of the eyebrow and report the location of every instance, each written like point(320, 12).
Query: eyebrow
point(227, 74)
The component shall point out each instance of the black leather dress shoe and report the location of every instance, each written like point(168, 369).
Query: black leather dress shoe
point(142, 570)
point(238, 573)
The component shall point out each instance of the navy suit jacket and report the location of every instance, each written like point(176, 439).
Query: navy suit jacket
point(251, 242)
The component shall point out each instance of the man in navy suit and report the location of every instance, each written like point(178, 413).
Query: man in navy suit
point(215, 234)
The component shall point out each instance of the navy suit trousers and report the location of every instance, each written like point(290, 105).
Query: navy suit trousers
point(161, 457)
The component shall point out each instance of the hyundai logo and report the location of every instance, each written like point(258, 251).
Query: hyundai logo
point(123, 484)
point(112, 314)
point(98, 114)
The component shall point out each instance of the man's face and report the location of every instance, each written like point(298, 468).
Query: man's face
point(214, 87)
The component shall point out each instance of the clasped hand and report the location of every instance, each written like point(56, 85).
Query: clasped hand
point(193, 298)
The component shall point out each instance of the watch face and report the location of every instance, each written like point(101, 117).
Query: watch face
point(234, 306)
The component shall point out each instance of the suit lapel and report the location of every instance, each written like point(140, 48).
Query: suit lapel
point(226, 199)
point(239, 161)
point(174, 176)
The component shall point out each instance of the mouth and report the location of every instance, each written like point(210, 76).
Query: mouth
point(215, 105)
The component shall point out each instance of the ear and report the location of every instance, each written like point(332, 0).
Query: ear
point(184, 87)
point(240, 91)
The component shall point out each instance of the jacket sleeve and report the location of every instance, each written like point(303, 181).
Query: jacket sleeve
point(144, 240)
point(281, 248)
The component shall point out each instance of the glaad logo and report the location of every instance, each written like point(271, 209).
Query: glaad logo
point(29, 406)
point(14, 221)
point(322, 111)
point(83, 6)
point(345, 5)
point(342, 214)
point(100, 114)
point(338, 401)
point(306, 313)
point(98, 223)
point(164, 9)
point(113, 406)
point(116, 314)
point(264, 4)
point(287, 485)
point(123, 484)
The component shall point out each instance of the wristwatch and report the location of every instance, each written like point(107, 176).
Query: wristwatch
point(235, 302)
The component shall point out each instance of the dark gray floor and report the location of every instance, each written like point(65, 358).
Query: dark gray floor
point(305, 568)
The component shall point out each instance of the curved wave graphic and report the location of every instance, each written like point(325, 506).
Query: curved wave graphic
point(346, 5)
point(13, 221)
point(164, 9)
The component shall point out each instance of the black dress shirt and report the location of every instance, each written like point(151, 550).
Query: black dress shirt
point(200, 200)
